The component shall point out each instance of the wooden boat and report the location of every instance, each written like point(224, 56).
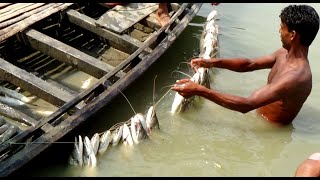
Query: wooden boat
point(41, 42)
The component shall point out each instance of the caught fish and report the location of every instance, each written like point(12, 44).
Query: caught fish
point(116, 135)
point(152, 120)
point(15, 114)
point(89, 158)
point(44, 113)
point(15, 94)
point(137, 131)
point(126, 135)
point(86, 83)
point(208, 49)
point(105, 140)
point(8, 133)
point(76, 157)
point(179, 102)
point(2, 121)
point(4, 127)
point(95, 141)
point(11, 101)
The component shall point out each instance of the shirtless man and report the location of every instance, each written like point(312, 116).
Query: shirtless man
point(289, 82)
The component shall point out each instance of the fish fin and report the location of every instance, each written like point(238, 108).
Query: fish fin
point(17, 89)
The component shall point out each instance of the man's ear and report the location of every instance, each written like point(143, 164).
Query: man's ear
point(293, 34)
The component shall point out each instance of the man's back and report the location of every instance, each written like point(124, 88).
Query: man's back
point(298, 88)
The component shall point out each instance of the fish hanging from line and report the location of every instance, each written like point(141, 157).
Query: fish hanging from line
point(208, 49)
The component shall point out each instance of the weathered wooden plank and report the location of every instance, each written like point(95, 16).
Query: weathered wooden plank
point(15, 28)
point(2, 5)
point(25, 15)
point(33, 84)
point(20, 11)
point(13, 8)
point(67, 54)
point(120, 18)
point(128, 43)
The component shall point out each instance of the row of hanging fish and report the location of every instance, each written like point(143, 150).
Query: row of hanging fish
point(208, 49)
point(129, 133)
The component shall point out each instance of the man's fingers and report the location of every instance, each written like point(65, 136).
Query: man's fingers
point(182, 81)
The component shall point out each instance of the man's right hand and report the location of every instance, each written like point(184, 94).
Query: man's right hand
point(200, 62)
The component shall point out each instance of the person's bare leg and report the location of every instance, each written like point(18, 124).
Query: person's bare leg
point(111, 5)
point(162, 14)
point(309, 167)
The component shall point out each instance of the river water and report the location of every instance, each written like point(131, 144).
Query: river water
point(207, 139)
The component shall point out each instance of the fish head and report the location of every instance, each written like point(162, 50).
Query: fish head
point(95, 141)
point(152, 120)
point(177, 104)
point(76, 157)
point(105, 141)
point(126, 135)
point(138, 128)
point(116, 135)
point(88, 151)
point(212, 15)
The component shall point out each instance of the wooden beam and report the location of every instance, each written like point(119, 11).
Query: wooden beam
point(67, 54)
point(33, 84)
point(128, 43)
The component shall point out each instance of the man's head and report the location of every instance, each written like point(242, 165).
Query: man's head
point(301, 20)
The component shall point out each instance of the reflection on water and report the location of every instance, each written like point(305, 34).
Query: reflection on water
point(206, 140)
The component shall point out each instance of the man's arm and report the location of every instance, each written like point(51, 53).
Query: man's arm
point(239, 64)
point(263, 96)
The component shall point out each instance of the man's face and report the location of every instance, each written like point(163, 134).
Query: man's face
point(285, 35)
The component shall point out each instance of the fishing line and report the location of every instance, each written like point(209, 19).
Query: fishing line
point(154, 87)
point(181, 73)
point(57, 142)
point(127, 101)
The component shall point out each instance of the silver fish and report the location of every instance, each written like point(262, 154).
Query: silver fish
point(105, 141)
point(4, 127)
point(11, 101)
point(137, 131)
point(95, 141)
point(16, 95)
point(14, 114)
point(76, 157)
point(152, 120)
point(180, 103)
point(126, 135)
point(208, 49)
point(2, 121)
point(8, 133)
point(89, 157)
point(116, 135)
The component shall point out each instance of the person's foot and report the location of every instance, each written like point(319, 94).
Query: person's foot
point(110, 5)
point(162, 16)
